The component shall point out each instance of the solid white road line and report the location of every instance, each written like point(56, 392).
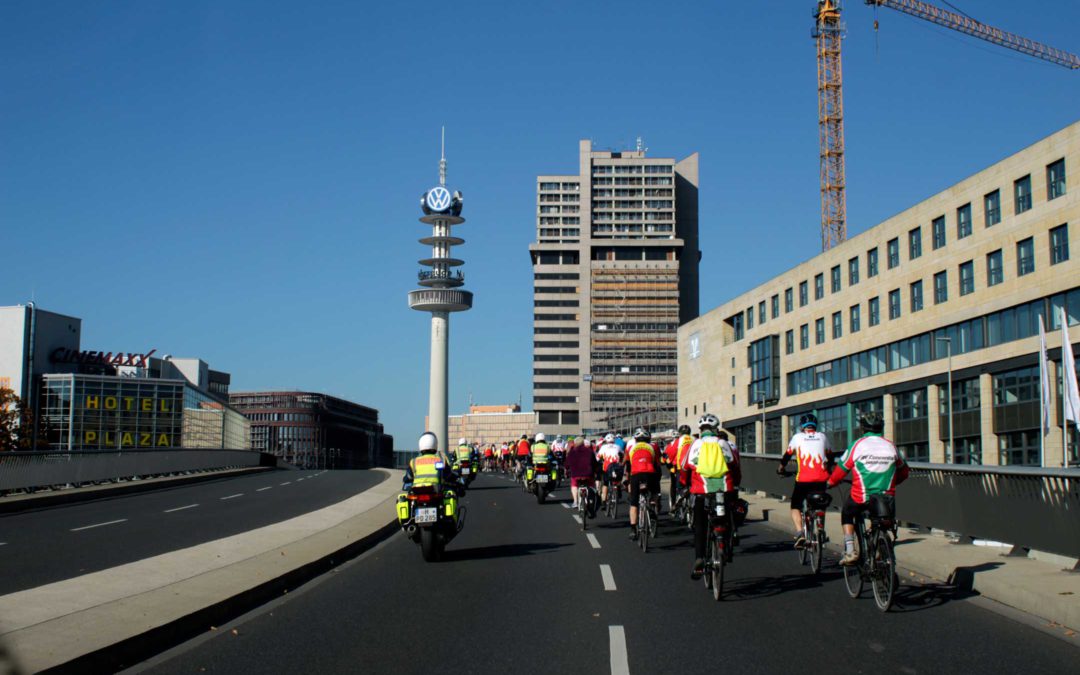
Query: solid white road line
point(180, 508)
point(577, 518)
point(620, 665)
point(87, 527)
point(264, 488)
point(286, 482)
point(609, 580)
point(592, 540)
point(238, 494)
point(565, 505)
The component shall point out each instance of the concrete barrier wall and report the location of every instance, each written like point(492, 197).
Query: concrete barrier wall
point(30, 470)
point(1029, 507)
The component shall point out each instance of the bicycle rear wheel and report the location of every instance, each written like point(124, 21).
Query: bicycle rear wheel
point(716, 570)
point(804, 552)
point(818, 547)
point(644, 526)
point(883, 571)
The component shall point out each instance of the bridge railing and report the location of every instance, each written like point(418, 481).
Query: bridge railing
point(35, 470)
point(1028, 507)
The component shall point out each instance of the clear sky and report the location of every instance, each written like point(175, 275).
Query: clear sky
point(239, 181)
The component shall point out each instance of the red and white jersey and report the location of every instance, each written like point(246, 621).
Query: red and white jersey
point(812, 450)
point(609, 454)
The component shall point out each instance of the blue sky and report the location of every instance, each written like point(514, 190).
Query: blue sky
point(239, 181)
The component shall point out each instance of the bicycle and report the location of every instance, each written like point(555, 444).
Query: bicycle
point(682, 510)
point(614, 495)
point(586, 496)
point(647, 519)
point(718, 545)
point(813, 517)
point(877, 561)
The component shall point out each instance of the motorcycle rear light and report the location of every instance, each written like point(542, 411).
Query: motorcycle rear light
point(423, 497)
point(541, 469)
point(820, 514)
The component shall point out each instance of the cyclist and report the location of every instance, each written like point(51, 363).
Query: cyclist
point(877, 468)
point(611, 462)
point(489, 457)
point(700, 486)
point(644, 470)
point(523, 447)
point(813, 453)
point(676, 451)
point(581, 465)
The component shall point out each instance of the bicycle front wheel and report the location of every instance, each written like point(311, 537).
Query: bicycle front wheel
point(853, 577)
point(883, 572)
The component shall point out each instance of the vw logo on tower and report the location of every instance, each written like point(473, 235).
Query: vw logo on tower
point(438, 199)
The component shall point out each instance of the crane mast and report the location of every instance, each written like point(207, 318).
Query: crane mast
point(828, 32)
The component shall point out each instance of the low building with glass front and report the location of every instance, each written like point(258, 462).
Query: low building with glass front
point(945, 295)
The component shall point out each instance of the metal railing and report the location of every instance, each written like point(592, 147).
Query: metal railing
point(30, 471)
point(1028, 507)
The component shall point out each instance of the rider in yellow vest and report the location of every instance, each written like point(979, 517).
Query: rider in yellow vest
point(464, 450)
point(541, 453)
point(429, 467)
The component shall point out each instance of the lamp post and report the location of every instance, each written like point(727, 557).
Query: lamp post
point(764, 436)
point(950, 456)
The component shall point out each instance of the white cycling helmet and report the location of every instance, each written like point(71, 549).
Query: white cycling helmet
point(540, 438)
point(709, 420)
point(610, 438)
point(428, 441)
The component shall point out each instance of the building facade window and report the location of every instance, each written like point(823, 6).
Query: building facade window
point(819, 286)
point(914, 240)
point(874, 308)
point(963, 221)
point(761, 312)
point(938, 232)
point(1022, 194)
point(789, 342)
point(1025, 256)
point(995, 268)
point(871, 263)
point(837, 325)
point(804, 294)
point(894, 304)
point(737, 326)
point(819, 331)
point(1059, 244)
point(834, 273)
point(941, 287)
point(789, 302)
point(853, 271)
point(749, 318)
point(992, 208)
point(967, 277)
point(775, 302)
point(854, 317)
point(764, 357)
point(893, 250)
point(1020, 448)
point(910, 425)
point(1055, 179)
point(804, 336)
point(916, 296)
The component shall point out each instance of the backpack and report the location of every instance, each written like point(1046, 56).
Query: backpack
point(711, 462)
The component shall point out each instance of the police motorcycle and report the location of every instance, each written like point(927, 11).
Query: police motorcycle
point(430, 514)
point(466, 467)
point(541, 478)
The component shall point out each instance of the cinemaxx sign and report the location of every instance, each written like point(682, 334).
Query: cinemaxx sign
point(64, 355)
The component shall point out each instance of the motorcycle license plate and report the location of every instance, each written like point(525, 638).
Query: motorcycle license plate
point(719, 509)
point(464, 472)
point(542, 478)
point(427, 515)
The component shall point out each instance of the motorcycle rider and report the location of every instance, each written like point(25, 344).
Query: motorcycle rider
point(430, 467)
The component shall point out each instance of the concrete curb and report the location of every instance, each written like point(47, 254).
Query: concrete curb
point(120, 633)
point(22, 503)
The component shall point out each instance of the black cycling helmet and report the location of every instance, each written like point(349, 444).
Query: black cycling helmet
point(872, 421)
point(684, 430)
point(808, 420)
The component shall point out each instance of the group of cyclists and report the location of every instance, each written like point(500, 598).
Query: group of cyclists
point(875, 465)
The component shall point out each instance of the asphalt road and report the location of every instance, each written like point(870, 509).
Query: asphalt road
point(40, 547)
point(522, 590)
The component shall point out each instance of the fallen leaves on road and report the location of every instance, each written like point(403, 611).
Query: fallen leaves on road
point(234, 631)
point(213, 627)
point(1065, 593)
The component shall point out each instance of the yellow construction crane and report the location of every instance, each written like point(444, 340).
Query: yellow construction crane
point(828, 32)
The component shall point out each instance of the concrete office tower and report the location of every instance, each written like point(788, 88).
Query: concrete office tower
point(441, 295)
point(615, 269)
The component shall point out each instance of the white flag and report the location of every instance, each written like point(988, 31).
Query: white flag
point(1070, 395)
point(1044, 381)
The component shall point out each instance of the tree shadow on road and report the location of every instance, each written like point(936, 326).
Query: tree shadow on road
point(500, 551)
point(754, 588)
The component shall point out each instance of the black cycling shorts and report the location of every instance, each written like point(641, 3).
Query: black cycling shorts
point(851, 510)
point(651, 481)
point(798, 495)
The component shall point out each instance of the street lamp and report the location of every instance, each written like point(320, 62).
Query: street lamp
point(948, 351)
point(764, 436)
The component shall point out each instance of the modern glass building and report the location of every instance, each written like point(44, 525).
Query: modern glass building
point(951, 290)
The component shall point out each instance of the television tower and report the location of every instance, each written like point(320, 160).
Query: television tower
point(441, 294)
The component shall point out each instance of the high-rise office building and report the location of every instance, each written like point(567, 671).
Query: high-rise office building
point(615, 272)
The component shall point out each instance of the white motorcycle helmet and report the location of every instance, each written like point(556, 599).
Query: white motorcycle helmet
point(428, 442)
point(461, 441)
point(540, 438)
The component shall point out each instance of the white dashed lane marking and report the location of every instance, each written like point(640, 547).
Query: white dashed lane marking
point(238, 494)
point(264, 488)
point(609, 580)
point(566, 505)
point(620, 664)
point(181, 508)
point(88, 527)
point(592, 540)
point(287, 482)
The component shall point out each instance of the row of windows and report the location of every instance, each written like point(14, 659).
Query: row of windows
point(1014, 323)
point(555, 317)
point(1025, 264)
point(555, 371)
point(604, 169)
point(1055, 178)
point(556, 344)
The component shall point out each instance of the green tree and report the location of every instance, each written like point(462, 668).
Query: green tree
point(11, 410)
